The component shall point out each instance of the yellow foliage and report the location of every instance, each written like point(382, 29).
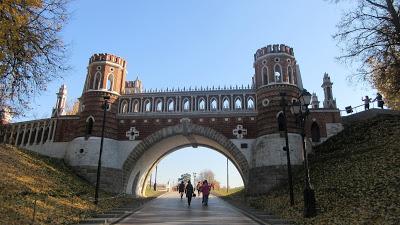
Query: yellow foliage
point(61, 197)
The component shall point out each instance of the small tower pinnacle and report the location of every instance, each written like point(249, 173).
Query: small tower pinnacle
point(329, 102)
point(314, 101)
point(59, 109)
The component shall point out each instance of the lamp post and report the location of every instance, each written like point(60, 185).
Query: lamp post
point(155, 180)
point(227, 175)
point(300, 109)
point(283, 104)
point(96, 193)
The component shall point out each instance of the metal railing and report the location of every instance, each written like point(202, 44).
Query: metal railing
point(350, 110)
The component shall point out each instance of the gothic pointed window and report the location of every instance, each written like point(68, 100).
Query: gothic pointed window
point(135, 106)
point(186, 105)
point(265, 75)
point(171, 105)
point(96, 81)
point(159, 106)
point(238, 103)
point(32, 140)
point(290, 75)
point(89, 125)
point(202, 104)
point(46, 135)
point(225, 104)
point(250, 103)
point(147, 106)
point(278, 73)
point(110, 82)
point(124, 107)
point(214, 105)
point(39, 136)
point(281, 122)
point(315, 133)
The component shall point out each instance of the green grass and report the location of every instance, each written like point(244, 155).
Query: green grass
point(222, 191)
point(61, 197)
point(150, 192)
point(356, 177)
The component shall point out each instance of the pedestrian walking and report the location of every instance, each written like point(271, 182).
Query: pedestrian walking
point(379, 99)
point(205, 189)
point(189, 192)
point(181, 189)
point(366, 100)
point(198, 187)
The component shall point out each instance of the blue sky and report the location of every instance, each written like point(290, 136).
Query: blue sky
point(202, 43)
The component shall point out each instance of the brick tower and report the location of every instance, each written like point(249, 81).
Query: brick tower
point(276, 73)
point(106, 77)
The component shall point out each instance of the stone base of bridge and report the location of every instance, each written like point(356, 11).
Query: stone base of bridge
point(263, 179)
point(110, 179)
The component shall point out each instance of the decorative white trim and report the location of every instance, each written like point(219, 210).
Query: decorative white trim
point(239, 131)
point(107, 63)
point(132, 133)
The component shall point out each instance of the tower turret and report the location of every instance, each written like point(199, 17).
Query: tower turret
point(329, 102)
point(277, 83)
point(106, 77)
point(59, 109)
point(314, 101)
point(275, 64)
point(135, 86)
point(106, 72)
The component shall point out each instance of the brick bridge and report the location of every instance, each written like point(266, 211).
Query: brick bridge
point(244, 123)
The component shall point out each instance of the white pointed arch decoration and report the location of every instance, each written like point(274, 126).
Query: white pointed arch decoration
point(213, 104)
point(278, 73)
point(238, 103)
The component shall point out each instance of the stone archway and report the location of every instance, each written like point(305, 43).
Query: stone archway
point(154, 147)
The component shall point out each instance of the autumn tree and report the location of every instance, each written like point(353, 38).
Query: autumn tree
point(369, 33)
point(209, 176)
point(72, 108)
point(31, 50)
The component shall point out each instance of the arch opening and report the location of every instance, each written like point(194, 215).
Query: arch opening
point(201, 163)
point(154, 148)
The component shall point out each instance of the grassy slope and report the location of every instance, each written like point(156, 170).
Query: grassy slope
point(356, 177)
point(222, 191)
point(62, 197)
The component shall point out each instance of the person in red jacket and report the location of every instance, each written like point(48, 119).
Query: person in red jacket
point(205, 189)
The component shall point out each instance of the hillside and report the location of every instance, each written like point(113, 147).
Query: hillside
point(61, 197)
point(356, 177)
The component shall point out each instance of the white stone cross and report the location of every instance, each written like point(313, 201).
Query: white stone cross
point(132, 133)
point(239, 131)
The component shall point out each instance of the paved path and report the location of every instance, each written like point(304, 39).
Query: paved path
point(170, 209)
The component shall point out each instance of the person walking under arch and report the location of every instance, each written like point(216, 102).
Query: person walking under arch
point(198, 187)
point(189, 192)
point(181, 189)
point(205, 189)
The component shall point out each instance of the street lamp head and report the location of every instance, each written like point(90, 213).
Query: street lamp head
point(296, 107)
point(106, 97)
point(305, 97)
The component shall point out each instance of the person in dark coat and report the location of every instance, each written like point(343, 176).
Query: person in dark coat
point(379, 99)
point(181, 189)
point(189, 192)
